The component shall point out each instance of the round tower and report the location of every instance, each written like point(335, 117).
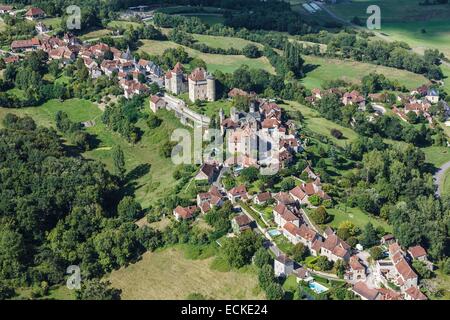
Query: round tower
point(210, 88)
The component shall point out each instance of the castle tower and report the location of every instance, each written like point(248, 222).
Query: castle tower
point(210, 88)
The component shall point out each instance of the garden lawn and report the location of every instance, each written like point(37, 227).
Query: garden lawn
point(168, 274)
point(356, 216)
point(224, 63)
point(323, 69)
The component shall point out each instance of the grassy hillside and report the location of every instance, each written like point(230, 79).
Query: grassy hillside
point(225, 63)
point(316, 123)
point(168, 274)
point(352, 71)
point(153, 183)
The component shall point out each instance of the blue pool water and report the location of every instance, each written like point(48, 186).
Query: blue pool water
point(317, 287)
point(274, 232)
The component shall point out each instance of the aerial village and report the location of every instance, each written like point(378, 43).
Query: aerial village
point(245, 132)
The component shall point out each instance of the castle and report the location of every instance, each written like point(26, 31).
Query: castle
point(200, 84)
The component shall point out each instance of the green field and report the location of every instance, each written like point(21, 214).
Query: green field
point(356, 216)
point(122, 24)
point(437, 155)
point(224, 63)
point(55, 23)
point(224, 42)
point(392, 10)
point(446, 183)
point(352, 71)
point(168, 274)
point(95, 34)
point(149, 187)
point(315, 123)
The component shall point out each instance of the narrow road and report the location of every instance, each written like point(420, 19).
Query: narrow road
point(439, 177)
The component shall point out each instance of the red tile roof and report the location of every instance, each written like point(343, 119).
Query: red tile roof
point(32, 12)
point(186, 212)
point(298, 193)
point(242, 220)
point(238, 191)
point(263, 196)
point(363, 290)
point(415, 294)
point(199, 74)
point(417, 252)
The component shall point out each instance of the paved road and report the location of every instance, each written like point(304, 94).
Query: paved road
point(439, 176)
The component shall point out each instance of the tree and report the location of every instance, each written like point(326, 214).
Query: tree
point(153, 121)
point(336, 133)
point(299, 252)
point(240, 250)
point(320, 215)
point(119, 161)
point(129, 209)
point(376, 253)
point(251, 51)
point(422, 269)
point(324, 264)
point(265, 276)
point(287, 184)
point(97, 290)
point(369, 236)
point(315, 200)
point(261, 258)
point(250, 174)
point(274, 291)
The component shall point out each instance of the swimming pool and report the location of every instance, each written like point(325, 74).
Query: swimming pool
point(274, 232)
point(317, 287)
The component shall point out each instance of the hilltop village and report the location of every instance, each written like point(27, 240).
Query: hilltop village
point(326, 191)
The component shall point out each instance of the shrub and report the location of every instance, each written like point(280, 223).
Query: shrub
point(336, 133)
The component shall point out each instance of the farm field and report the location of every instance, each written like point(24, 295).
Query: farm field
point(391, 10)
point(224, 42)
point(153, 183)
point(436, 35)
point(55, 22)
point(224, 63)
point(122, 24)
point(352, 71)
point(168, 274)
point(95, 34)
